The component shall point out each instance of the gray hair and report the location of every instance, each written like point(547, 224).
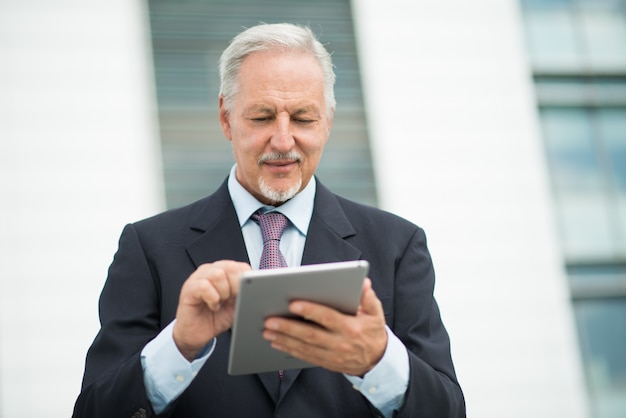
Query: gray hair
point(265, 37)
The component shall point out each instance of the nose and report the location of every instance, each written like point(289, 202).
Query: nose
point(282, 138)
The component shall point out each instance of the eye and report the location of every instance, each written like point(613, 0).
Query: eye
point(261, 119)
point(303, 121)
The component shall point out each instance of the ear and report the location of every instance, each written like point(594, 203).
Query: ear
point(329, 124)
point(225, 119)
point(330, 120)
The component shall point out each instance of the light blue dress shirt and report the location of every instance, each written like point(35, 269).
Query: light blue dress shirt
point(167, 373)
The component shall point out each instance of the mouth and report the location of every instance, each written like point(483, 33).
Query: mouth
point(281, 168)
point(280, 163)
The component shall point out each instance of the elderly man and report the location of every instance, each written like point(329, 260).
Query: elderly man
point(168, 304)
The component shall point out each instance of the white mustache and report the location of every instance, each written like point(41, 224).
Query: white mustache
point(272, 156)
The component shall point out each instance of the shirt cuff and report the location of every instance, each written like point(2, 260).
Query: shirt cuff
point(385, 385)
point(166, 372)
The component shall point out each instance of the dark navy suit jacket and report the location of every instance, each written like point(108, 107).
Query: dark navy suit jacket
point(156, 256)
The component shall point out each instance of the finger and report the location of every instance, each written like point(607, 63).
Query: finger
point(370, 304)
point(320, 347)
point(205, 283)
point(296, 330)
point(216, 283)
point(233, 270)
point(322, 315)
point(304, 341)
point(332, 319)
point(208, 291)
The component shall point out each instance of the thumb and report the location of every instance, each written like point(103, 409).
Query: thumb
point(370, 304)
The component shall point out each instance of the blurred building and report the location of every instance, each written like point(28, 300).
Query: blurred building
point(497, 125)
point(577, 51)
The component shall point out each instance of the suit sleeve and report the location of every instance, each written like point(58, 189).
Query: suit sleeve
point(433, 389)
point(129, 315)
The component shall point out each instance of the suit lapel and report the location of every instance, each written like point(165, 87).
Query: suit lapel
point(328, 231)
point(219, 233)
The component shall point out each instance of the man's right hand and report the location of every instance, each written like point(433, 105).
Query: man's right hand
point(206, 305)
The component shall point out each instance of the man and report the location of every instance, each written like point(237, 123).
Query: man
point(167, 306)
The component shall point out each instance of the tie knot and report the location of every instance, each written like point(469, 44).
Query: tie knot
point(272, 224)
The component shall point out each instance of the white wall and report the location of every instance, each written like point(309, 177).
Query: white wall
point(457, 150)
point(78, 159)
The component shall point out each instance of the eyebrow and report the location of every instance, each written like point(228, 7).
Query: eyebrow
point(306, 109)
point(261, 108)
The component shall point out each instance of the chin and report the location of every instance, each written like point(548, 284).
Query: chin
point(279, 195)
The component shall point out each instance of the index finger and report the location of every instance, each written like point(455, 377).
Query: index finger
point(215, 282)
point(233, 270)
point(322, 315)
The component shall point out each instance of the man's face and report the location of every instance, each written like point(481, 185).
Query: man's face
point(278, 124)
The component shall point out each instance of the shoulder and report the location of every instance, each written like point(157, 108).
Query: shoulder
point(370, 212)
point(364, 218)
point(372, 220)
point(181, 216)
point(189, 219)
point(366, 213)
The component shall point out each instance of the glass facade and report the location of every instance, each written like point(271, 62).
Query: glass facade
point(578, 53)
point(187, 40)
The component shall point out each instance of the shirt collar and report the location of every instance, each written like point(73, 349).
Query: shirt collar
point(298, 209)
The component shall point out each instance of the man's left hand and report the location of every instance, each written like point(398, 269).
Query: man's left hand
point(350, 344)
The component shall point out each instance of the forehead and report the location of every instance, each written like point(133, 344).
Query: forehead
point(272, 78)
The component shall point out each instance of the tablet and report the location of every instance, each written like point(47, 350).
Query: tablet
point(264, 293)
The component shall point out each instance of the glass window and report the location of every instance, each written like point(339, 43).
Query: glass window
point(597, 280)
point(612, 126)
point(609, 91)
point(560, 90)
point(576, 35)
point(571, 150)
point(586, 150)
point(541, 4)
point(578, 54)
point(604, 37)
point(602, 332)
point(572, 90)
point(585, 225)
point(552, 39)
point(620, 208)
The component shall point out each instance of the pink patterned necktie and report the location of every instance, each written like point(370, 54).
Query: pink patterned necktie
point(273, 225)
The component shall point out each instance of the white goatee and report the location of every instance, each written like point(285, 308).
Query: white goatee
point(279, 196)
